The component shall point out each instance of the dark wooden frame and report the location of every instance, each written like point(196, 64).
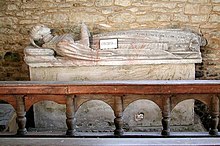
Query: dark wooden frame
point(22, 95)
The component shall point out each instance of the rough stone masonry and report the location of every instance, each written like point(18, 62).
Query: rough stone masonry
point(17, 17)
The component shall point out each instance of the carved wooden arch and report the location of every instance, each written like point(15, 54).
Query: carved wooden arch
point(156, 99)
point(81, 99)
point(176, 99)
point(32, 99)
point(10, 99)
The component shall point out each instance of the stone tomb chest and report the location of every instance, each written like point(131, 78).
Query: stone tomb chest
point(151, 54)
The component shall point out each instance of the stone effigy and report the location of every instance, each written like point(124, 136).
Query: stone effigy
point(132, 47)
point(150, 54)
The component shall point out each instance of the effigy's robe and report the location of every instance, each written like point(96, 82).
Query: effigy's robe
point(133, 47)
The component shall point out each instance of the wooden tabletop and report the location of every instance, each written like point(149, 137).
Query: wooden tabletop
point(111, 87)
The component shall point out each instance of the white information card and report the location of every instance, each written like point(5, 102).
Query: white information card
point(108, 44)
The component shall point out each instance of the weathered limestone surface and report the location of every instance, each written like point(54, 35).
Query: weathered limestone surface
point(123, 72)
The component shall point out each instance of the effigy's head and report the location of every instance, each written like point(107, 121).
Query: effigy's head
point(38, 33)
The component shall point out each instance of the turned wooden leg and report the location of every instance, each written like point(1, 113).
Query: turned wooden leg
point(118, 111)
point(214, 112)
point(166, 116)
point(70, 115)
point(21, 119)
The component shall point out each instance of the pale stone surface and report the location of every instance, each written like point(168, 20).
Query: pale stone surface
point(85, 17)
point(214, 18)
point(164, 10)
point(181, 17)
point(216, 8)
point(28, 21)
point(199, 1)
point(165, 5)
point(140, 3)
point(178, 0)
point(88, 3)
point(65, 5)
point(122, 17)
point(123, 2)
point(49, 5)
point(101, 3)
point(192, 9)
point(114, 72)
point(12, 7)
point(199, 18)
point(141, 12)
point(134, 9)
point(134, 25)
point(164, 17)
point(107, 11)
point(52, 18)
point(29, 5)
point(133, 47)
point(147, 17)
point(178, 42)
point(205, 9)
point(216, 1)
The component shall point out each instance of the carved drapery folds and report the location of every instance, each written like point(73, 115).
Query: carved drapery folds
point(149, 46)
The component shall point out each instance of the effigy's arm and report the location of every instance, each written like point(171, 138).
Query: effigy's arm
point(85, 35)
point(76, 51)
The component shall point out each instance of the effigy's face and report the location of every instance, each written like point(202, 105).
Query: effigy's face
point(43, 31)
point(40, 31)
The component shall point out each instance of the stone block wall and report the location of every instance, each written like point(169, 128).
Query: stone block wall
point(18, 16)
